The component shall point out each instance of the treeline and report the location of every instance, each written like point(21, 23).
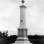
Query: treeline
point(36, 36)
point(3, 34)
point(12, 39)
point(36, 39)
point(5, 39)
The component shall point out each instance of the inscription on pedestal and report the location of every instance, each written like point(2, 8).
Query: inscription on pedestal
point(22, 32)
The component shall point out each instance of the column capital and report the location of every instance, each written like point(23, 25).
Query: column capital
point(23, 6)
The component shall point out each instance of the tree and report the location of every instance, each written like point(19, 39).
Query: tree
point(4, 33)
point(7, 33)
point(0, 33)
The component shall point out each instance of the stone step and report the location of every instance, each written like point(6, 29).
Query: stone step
point(22, 42)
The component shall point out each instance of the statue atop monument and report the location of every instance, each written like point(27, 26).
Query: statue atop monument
point(23, 1)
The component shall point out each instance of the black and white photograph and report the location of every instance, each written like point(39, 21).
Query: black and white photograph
point(21, 21)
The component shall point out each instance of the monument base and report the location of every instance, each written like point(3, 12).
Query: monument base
point(22, 40)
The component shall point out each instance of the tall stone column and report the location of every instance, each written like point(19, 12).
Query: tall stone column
point(22, 29)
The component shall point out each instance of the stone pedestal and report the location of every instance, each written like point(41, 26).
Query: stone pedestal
point(22, 40)
point(22, 32)
point(22, 37)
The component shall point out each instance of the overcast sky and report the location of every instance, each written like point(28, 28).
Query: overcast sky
point(10, 16)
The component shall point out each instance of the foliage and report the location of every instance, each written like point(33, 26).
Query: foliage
point(36, 39)
point(3, 34)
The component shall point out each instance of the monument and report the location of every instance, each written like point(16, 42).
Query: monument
point(22, 29)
